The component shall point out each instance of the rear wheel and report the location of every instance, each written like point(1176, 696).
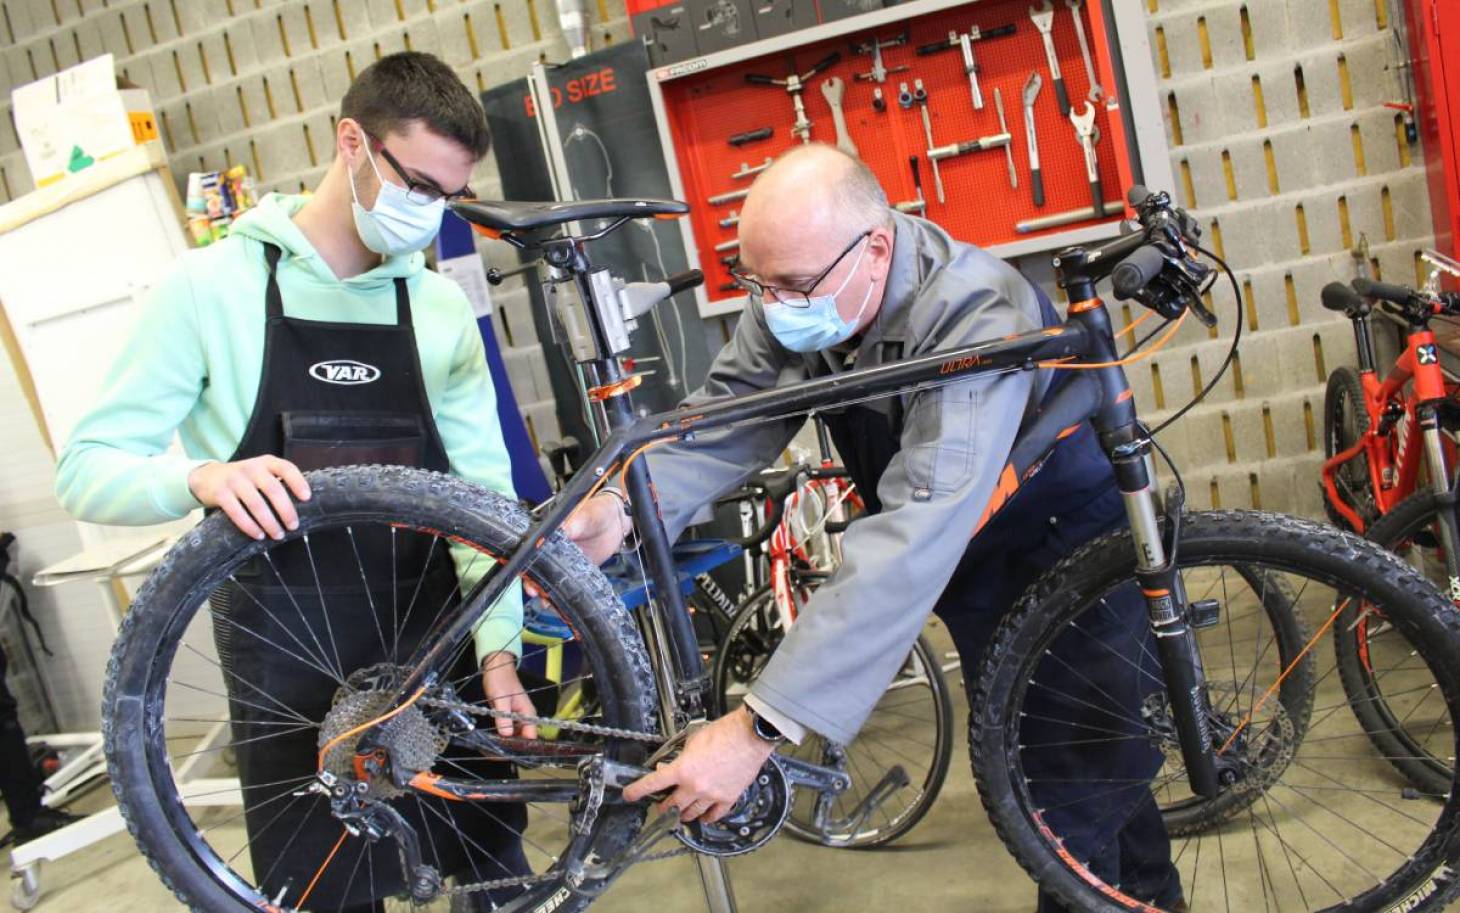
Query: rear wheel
point(1394, 695)
point(1072, 735)
point(172, 708)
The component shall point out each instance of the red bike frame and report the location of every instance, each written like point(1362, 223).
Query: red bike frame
point(1393, 443)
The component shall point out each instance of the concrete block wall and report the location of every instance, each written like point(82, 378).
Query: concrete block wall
point(259, 82)
point(1282, 147)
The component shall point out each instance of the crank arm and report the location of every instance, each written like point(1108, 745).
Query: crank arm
point(822, 779)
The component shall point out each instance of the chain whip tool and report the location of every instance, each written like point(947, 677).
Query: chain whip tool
point(1036, 177)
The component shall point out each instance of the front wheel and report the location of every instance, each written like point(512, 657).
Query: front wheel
point(1073, 745)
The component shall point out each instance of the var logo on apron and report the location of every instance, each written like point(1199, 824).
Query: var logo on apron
point(344, 371)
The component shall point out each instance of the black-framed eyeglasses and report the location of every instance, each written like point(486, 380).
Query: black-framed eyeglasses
point(795, 297)
point(421, 192)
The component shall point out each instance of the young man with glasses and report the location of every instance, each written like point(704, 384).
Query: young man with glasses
point(838, 280)
point(314, 336)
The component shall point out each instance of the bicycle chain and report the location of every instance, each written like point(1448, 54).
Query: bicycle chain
point(588, 728)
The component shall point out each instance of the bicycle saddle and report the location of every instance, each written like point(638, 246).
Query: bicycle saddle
point(498, 216)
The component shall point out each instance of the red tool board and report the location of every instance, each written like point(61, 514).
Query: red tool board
point(1434, 45)
point(704, 110)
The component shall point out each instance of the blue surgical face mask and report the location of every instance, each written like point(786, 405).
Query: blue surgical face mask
point(818, 324)
point(396, 225)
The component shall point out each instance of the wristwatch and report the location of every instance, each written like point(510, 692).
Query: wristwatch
point(763, 728)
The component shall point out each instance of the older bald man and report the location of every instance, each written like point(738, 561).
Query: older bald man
point(840, 280)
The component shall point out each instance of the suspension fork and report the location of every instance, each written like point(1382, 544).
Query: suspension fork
point(1161, 587)
point(1428, 418)
point(1165, 598)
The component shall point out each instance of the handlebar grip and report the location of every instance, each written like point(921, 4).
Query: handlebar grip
point(1338, 297)
point(1384, 291)
point(760, 79)
point(681, 282)
point(825, 62)
point(1135, 272)
point(1137, 194)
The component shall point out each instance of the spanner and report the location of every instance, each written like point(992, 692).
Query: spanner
point(1084, 124)
point(1096, 92)
point(1036, 178)
point(920, 95)
point(1008, 147)
point(1043, 18)
point(832, 89)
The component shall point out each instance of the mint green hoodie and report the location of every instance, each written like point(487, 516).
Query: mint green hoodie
point(193, 362)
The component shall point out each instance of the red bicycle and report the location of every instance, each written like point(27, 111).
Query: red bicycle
point(898, 762)
point(1389, 475)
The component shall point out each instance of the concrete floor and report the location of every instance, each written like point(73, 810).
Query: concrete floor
point(952, 857)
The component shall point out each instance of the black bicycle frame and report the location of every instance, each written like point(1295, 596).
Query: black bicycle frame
point(1098, 392)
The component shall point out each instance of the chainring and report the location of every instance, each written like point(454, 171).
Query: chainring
point(756, 818)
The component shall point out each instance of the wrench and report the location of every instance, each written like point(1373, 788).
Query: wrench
point(1036, 178)
point(1096, 92)
point(1043, 18)
point(920, 95)
point(1008, 147)
point(832, 89)
point(1084, 124)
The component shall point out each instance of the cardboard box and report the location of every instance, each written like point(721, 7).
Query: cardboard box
point(667, 33)
point(778, 17)
point(721, 24)
point(79, 116)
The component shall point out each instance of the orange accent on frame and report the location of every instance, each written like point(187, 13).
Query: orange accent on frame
point(618, 388)
point(1080, 307)
point(1008, 485)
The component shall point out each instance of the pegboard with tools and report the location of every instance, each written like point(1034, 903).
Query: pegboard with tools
point(1001, 121)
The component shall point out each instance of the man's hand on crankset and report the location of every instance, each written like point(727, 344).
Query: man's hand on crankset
point(598, 527)
point(717, 765)
point(252, 493)
point(505, 692)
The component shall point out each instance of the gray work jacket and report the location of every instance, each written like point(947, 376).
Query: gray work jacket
point(856, 631)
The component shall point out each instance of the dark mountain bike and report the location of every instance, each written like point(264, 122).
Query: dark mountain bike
point(1212, 683)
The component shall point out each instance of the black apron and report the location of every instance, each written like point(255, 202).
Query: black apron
point(336, 394)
